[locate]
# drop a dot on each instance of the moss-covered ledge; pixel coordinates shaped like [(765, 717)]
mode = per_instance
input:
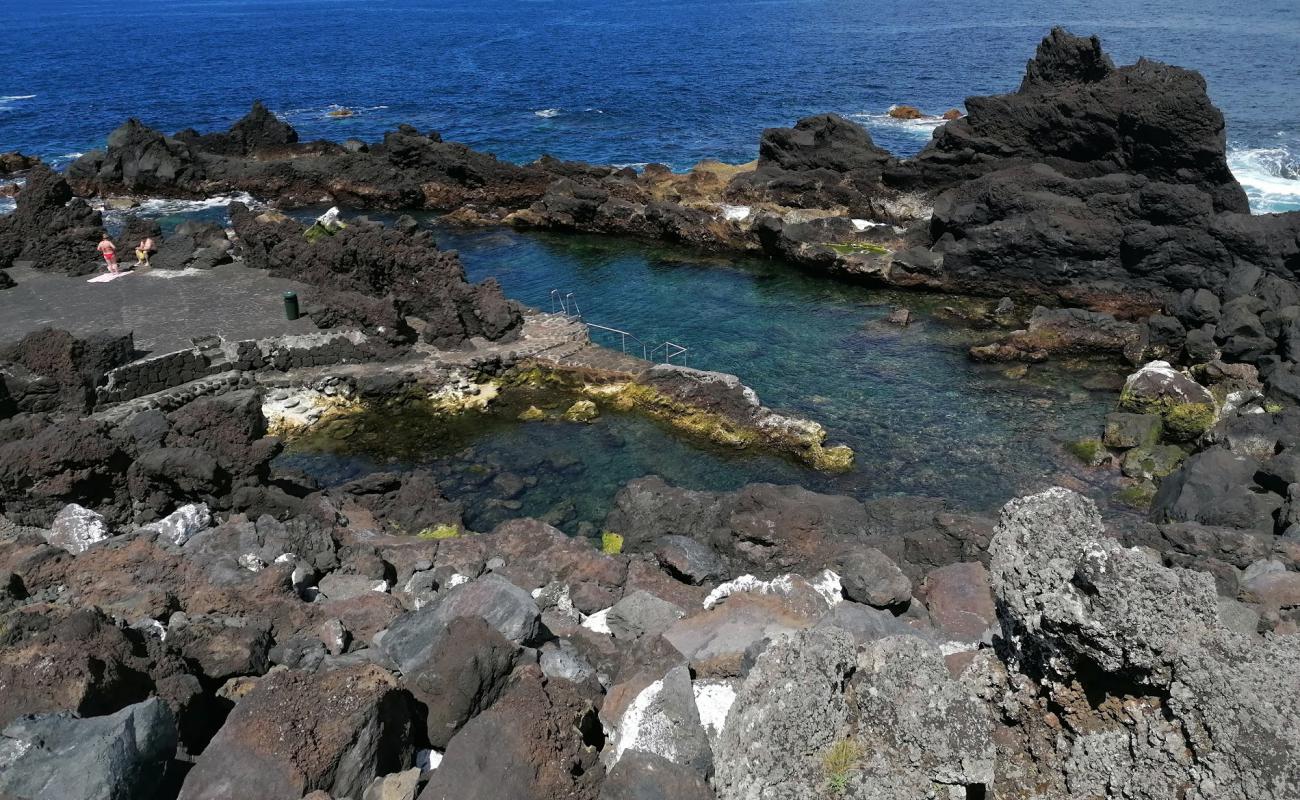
[(710, 405)]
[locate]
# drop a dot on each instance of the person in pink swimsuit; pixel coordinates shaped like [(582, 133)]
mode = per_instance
[(109, 252)]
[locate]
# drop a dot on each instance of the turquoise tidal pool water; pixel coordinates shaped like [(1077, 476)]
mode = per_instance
[(921, 417)]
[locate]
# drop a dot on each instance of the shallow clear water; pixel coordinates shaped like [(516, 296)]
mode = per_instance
[(616, 81), (921, 417)]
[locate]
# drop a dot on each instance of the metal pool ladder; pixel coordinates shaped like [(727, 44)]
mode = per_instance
[(567, 304)]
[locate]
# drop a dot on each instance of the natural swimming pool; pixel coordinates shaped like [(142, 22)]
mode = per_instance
[(922, 418)]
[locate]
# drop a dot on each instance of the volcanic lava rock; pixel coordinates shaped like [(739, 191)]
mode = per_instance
[(1148, 118), (538, 742), (1089, 613), (62, 660), (380, 262), (462, 678), (50, 228), (295, 733)]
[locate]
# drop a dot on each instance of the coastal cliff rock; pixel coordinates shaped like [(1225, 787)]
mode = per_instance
[(1101, 186), (1083, 117), (50, 227)]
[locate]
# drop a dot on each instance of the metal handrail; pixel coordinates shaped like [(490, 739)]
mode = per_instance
[(625, 336), (671, 351), (567, 304)]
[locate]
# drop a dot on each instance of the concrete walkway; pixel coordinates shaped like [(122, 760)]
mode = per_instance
[(164, 308)]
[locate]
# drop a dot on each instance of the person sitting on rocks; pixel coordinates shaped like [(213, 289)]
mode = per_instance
[(108, 250), (143, 250)]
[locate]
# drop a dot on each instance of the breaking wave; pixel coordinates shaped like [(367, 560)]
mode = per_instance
[(1270, 176), (547, 113)]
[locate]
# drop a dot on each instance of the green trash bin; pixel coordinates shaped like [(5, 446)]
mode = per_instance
[(291, 305)]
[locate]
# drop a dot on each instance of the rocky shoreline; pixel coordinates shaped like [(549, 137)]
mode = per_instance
[(180, 619)]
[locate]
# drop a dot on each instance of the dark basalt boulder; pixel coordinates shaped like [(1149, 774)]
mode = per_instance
[(140, 160), (462, 678), (60, 463), (538, 742), (75, 365), (451, 175), (403, 503), (380, 262), (821, 162), (197, 245), (50, 228), (825, 142)]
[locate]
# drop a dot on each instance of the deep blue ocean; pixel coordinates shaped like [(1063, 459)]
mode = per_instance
[(612, 81)]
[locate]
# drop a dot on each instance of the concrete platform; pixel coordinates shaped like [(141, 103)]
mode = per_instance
[(164, 308)]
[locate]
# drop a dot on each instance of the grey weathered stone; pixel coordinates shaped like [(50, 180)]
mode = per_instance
[(395, 786), (869, 576), (338, 586), (120, 755), (789, 711), (641, 614), (503, 605), (688, 560), (1079, 608), (560, 659), (412, 638)]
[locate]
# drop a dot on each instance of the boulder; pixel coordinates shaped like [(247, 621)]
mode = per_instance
[(61, 660), (641, 614), (871, 577), (178, 526), (119, 755), (646, 776), (960, 601), (461, 678), (295, 733), (50, 227), (537, 742), (1081, 610), (503, 605), (662, 719), (688, 560), (787, 715), (1214, 487), (76, 529)]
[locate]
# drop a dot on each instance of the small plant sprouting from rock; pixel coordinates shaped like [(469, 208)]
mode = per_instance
[(839, 764), (440, 532), (611, 544)]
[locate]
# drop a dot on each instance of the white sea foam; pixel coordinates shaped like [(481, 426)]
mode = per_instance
[(920, 127), (547, 113), (163, 207), (1270, 176), (7, 101), (7, 205)]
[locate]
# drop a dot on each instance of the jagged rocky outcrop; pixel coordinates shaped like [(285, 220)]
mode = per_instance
[(261, 154), (50, 227), (373, 276)]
